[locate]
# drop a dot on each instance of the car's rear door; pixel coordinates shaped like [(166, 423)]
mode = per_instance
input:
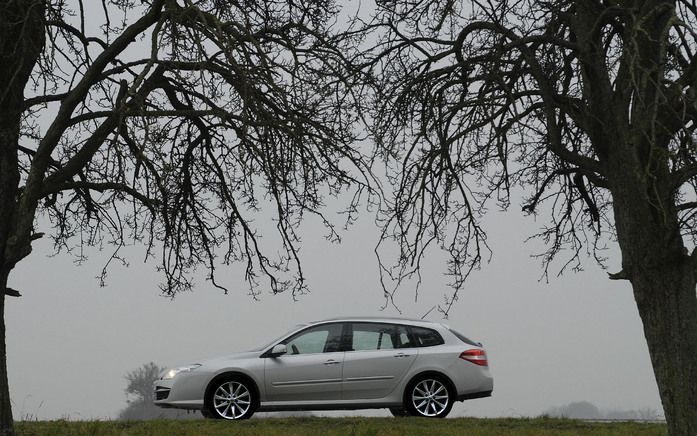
[(378, 358)]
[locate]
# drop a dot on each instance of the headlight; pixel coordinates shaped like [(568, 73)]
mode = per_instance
[(171, 373)]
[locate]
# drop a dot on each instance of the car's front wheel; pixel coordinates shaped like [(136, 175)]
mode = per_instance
[(429, 397), (232, 399)]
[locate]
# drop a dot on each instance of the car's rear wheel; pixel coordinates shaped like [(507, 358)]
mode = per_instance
[(429, 397), (399, 412), (232, 399)]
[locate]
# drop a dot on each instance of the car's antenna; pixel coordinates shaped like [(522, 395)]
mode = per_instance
[(426, 314)]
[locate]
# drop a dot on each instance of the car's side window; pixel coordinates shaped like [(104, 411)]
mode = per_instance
[(404, 341), (426, 337), (378, 336), (321, 339)]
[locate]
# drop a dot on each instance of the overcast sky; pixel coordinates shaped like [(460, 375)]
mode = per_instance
[(577, 338), (70, 342)]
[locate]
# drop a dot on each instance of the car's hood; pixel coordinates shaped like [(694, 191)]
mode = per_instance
[(230, 357)]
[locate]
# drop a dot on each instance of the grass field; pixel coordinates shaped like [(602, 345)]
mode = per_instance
[(340, 426)]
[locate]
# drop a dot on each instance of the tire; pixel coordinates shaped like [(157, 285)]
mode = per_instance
[(429, 397), (399, 412), (207, 414), (231, 399)]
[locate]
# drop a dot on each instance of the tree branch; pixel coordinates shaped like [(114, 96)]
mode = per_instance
[(101, 187)]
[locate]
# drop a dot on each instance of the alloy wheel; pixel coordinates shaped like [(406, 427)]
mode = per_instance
[(232, 400), (430, 397)]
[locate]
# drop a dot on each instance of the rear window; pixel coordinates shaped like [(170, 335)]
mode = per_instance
[(426, 337), (464, 338)]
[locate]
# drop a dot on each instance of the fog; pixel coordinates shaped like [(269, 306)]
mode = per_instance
[(576, 338)]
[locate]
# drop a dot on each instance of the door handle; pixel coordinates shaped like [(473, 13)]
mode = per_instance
[(401, 355), (331, 362)]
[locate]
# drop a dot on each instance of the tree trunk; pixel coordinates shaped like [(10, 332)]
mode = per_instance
[(667, 305), (6, 425), (664, 279), (21, 43), (9, 180)]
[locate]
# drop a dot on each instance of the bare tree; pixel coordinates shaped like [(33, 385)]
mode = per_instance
[(140, 397), (140, 382), (589, 107), (169, 123)]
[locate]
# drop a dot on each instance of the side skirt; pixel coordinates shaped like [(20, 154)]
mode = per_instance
[(302, 407)]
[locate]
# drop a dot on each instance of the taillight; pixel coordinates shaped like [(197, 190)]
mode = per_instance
[(476, 356)]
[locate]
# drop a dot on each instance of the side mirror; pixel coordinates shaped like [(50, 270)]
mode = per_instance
[(278, 350)]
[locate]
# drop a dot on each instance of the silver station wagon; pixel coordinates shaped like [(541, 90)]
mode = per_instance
[(411, 367)]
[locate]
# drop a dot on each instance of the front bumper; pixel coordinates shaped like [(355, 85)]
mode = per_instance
[(185, 391)]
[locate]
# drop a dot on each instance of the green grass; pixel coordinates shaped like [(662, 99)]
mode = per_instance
[(340, 426)]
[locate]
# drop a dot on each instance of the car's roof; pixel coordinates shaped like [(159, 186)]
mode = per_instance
[(379, 319)]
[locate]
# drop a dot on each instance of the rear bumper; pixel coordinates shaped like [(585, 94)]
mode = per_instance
[(474, 395)]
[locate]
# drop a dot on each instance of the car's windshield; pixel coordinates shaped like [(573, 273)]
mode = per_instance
[(278, 338)]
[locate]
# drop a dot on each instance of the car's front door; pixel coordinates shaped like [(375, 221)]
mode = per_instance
[(310, 370), (378, 358)]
